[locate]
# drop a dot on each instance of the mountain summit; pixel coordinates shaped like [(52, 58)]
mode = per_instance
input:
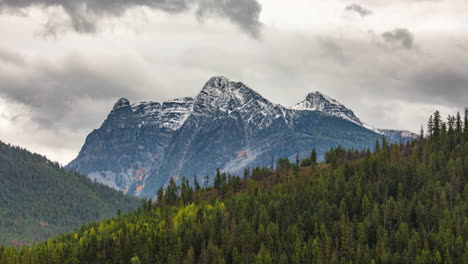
[(140, 146), (327, 105)]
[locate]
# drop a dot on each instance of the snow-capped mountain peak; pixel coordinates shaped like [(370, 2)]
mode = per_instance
[(219, 93), (319, 102)]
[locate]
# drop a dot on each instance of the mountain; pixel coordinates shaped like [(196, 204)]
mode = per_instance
[(329, 106), (403, 203), (139, 147), (39, 199)]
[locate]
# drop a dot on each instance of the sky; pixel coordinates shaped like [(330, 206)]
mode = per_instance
[(64, 63)]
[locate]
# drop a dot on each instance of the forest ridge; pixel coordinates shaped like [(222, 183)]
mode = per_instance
[(401, 203)]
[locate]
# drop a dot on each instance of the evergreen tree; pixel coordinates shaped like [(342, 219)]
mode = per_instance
[(437, 123), (172, 192), (430, 126), (196, 184), (313, 157)]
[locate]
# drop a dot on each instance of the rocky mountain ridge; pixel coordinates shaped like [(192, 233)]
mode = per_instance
[(139, 147)]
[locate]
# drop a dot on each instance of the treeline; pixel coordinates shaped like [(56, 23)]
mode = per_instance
[(399, 203), (40, 199)]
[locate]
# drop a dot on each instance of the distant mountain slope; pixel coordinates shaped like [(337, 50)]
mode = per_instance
[(39, 199), (139, 147)]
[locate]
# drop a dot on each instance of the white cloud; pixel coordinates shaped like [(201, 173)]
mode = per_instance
[(55, 90)]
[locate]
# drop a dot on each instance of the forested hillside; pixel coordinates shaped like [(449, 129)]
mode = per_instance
[(403, 203), (40, 199)]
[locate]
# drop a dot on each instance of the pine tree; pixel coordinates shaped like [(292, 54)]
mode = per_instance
[(186, 192), (160, 196), (196, 184), (313, 157), (430, 126), (172, 192), (465, 132), (437, 124), (297, 159), (207, 181), (459, 124), (218, 181), (377, 147)]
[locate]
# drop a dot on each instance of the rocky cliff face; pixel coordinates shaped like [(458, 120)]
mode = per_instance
[(139, 147)]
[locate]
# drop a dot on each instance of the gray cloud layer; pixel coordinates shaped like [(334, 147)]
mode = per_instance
[(85, 14), (400, 37), (362, 11), (53, 92)]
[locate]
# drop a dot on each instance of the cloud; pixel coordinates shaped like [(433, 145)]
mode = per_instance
[(9, 57), (85, 14), (362, 11), (333, 50), (65, 87), (52, 90), (400, 37), (433, 79)]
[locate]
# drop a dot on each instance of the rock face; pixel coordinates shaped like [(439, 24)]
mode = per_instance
[(139, 147)]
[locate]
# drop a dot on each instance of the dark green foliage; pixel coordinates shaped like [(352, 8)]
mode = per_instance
[(310, 161), (39, 199), (404, 203)]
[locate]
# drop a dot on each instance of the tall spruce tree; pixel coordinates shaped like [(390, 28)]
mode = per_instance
[(313, 157)]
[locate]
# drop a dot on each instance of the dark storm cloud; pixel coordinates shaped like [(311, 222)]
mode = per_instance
[(441, 84), (400, 37), (246, 13), (362, 11), (85, 14), (52, 92)]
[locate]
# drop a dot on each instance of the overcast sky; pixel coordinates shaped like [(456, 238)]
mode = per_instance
[(63, 63)]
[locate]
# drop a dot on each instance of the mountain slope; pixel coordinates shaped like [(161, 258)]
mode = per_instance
[(139, 147), (404, 203), (39, 199)]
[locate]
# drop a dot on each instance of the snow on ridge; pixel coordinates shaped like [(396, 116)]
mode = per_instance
[(221, 94), (376, 130), (319, 102), (170, 114)]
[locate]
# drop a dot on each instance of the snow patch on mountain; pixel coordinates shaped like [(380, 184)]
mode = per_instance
[(327, 105), (376, 130), (319, 102), (170, 114)]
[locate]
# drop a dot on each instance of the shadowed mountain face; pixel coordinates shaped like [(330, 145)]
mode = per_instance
[(139, 147)]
